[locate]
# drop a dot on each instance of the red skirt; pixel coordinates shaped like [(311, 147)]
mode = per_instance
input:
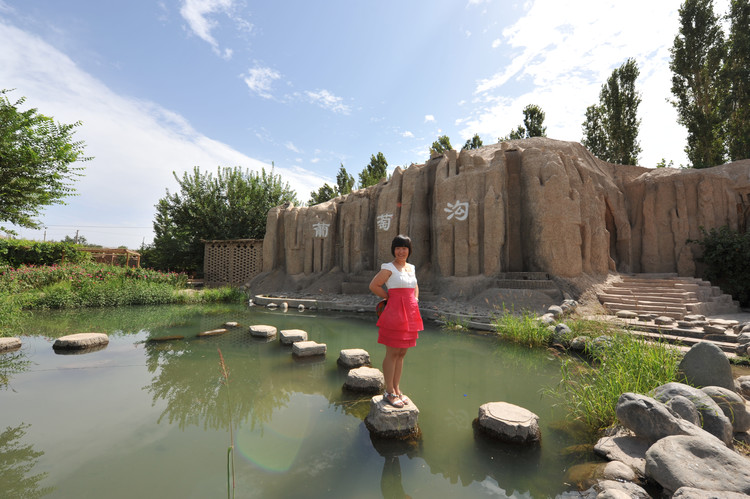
[(401, 321)]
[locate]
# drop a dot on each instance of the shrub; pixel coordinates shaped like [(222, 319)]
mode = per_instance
[(17, 252), (725, 253)]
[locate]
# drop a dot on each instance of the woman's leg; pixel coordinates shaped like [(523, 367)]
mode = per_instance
[(398, 367)]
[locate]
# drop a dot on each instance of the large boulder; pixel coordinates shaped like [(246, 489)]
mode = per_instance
[(713, 418), (705, 364), (9, 344), (693, 461), (81, 341), (742, 386), (650, 419), (693, 493), (733, 406), (509, 423), (627, 449)]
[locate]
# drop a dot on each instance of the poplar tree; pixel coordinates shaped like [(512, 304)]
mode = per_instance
[(473, 143), (737, 76), (611, 127), (440, 146), (533, 125), (374, 172), (696, 62)]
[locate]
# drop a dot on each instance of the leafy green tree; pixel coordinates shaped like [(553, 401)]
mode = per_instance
[(374, 172), (474, 143), (736, 73), (440, 146), (696, 61), (611, 127), (344, 181), (36, 158), (233, 204), (323, 194), (533, 125)]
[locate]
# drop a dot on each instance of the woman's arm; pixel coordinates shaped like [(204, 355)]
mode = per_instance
[(416, 292), (377, 283)]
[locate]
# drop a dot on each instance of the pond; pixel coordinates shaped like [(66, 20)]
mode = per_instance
[(153, 419)]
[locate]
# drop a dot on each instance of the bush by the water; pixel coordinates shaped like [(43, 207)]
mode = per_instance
[(93, 285), (726, 255), (17, 252)]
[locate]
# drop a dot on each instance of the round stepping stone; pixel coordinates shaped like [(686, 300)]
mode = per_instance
[(80, 341), (262, 331), (686, 324), (231, 324), (663, 320), (308, 349), (509, 423), (354, 357), (284, 306), (365, 380), (387, 421), (291, 336), (213, 332), (301, 307), (646, 317), (695, 317), (9, 344)]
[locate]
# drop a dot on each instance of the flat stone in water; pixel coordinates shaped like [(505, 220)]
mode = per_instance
[(509, 422), (308, 348), (290, 336), (9, 344), (213, 332), (389, 422), (365, 380), (166, 338), (354, 357), (262, 331), (80, 341)]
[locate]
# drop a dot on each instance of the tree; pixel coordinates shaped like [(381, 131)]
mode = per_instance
[(233, 204), (611, 127), (533, 120), (474, 143), (374, 171), (696, 60), (344, 181), (323, 194), (736, 73), (36, 158), (440, 146)]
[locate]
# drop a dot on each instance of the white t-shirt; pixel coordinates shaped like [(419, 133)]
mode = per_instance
[(400, 279)]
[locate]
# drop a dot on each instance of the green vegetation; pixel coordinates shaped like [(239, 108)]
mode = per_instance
[(473, 143), (533, 125), (93, 285), (440, 146), (36, 157), (725, 253), (523, 329), (374, 172), (17, 252)]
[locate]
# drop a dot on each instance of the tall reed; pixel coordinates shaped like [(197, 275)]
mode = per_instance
[(523, 329), (230, 450)]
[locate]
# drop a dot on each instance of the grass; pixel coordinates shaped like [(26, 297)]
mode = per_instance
[(523, 329), (94, 285)]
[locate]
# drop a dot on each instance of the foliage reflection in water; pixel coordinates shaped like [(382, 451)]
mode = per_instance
[(296, 433)]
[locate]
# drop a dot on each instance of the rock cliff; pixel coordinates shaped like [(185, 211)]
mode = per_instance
[(534, 205)]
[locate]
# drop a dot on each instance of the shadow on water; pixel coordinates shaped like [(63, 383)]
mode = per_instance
[(16, 462)]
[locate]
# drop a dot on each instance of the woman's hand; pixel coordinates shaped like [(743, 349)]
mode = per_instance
[(377, 283)]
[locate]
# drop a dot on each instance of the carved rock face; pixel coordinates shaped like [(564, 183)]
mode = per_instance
[(534, 205)]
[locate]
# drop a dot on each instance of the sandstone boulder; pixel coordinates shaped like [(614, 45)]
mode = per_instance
[(693, 461), (685, 408), (627, 449), (732, 404), (706, 365), (509, 423), (743, 386), (693, 493), (9, 344)]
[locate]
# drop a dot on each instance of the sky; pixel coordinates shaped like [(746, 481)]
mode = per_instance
[(163, 86)]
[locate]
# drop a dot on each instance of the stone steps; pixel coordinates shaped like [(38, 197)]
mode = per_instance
[(666, 294)]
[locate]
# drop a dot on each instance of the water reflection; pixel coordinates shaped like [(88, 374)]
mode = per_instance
[(391, 483), (12, 363), (16, 462)]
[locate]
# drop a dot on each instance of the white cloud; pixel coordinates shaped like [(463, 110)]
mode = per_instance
[(327, 100), (407, 134), (563, 70), (259, 80), (289, 145), (428, 118), (136, 144), (198, 14), (496, 43)]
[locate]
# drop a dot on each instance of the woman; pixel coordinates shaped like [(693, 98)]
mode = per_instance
[(400, 322)]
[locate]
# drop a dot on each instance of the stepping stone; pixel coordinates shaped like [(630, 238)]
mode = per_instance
[(308, 349), (509, 423), (80, 341), (165, 338), (213, 332), (354, 357), (695, 317), (663, 320), (387, 421), (262, 331), (231, 324), (626, 314), (290, 336), (9, 344), (714, 329), (365, 380), (646, 317)]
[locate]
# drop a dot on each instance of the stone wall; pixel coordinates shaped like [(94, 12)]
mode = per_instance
[(534, 205)]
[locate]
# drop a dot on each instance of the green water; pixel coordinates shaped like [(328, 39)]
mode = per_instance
[(143, 419)]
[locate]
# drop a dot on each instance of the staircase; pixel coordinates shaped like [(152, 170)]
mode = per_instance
[(666, 294)]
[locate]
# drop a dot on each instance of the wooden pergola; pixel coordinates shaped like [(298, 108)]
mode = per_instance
[(112, 256)]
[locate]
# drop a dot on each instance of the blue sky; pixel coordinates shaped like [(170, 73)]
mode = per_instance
[(164, 86)]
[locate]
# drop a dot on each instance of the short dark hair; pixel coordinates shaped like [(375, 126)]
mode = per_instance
[(400, 241)]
